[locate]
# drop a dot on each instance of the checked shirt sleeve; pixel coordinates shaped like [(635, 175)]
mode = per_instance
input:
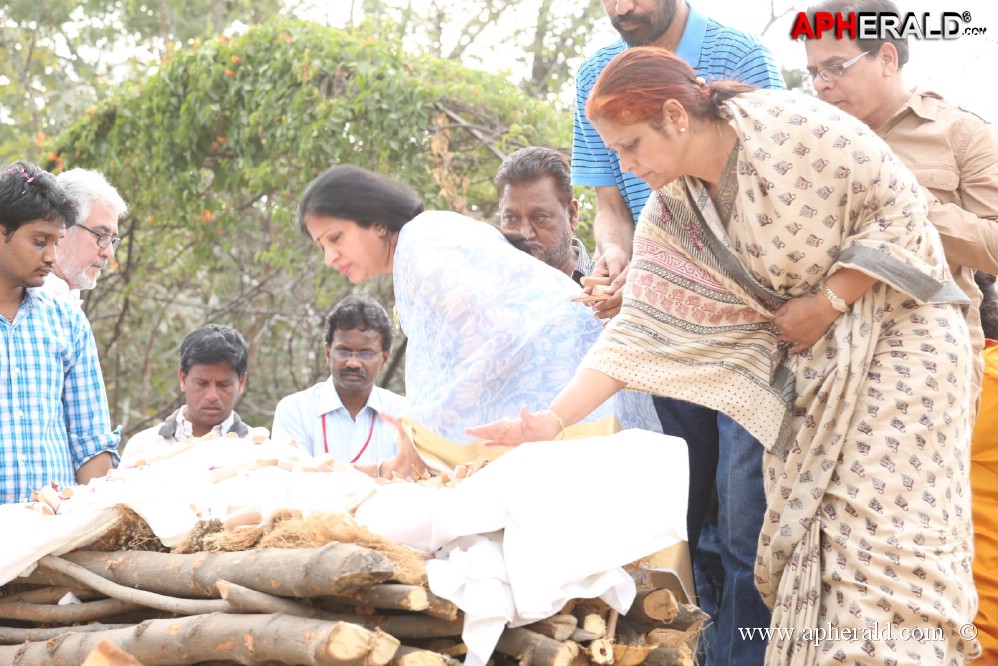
[(88, 421)]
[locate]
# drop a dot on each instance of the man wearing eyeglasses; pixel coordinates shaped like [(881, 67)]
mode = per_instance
[(89, 245), (340, 416), (213, 362), (952, 152)]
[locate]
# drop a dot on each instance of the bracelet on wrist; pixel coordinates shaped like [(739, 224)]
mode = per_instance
[(377, 469), (561, 424)]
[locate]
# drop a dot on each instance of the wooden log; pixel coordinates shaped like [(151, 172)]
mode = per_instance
[(558, 627), (582, 636), (681, 656), (442, 608), (412, 625), (660, 637), (50, 595), (109, 654), (245, 639), (47, 578), (400, 626), (66, 614), (134, 596), (410, 656), (628, 633), (629, 655), (336, 568), (17, 635), (689, 616), (589, 621), (600, 651), (653, 606), (533, 649), (244, 600), (389, 596)]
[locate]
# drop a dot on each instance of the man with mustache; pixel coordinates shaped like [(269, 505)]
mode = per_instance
[(721, 452), (341, 415), (90, 244), (54, 421), (212, 376), (536, 200)]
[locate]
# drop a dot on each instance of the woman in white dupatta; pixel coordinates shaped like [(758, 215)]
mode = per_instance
[(489, 327), (785, 273)]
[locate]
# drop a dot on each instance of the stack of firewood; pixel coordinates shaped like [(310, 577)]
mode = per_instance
[(337, 603)]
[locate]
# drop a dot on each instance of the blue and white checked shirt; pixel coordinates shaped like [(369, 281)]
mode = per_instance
[(53, 406)]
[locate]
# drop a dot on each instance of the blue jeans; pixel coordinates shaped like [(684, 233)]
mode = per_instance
[(725, 455)]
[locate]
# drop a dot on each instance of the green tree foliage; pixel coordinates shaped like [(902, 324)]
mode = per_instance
[(212, 152), (57, 57)]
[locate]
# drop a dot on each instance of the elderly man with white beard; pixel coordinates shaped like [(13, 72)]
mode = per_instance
[(89, 245)]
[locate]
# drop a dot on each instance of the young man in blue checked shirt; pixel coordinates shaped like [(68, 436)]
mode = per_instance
[(54, 421)]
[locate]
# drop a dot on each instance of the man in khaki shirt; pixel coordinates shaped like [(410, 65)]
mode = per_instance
[(952, 152)]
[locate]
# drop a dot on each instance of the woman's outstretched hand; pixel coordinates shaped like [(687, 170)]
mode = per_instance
[(530, 427)]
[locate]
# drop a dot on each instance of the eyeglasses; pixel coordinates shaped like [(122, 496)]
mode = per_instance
[(365, 356), (832, 72), (104, 239)]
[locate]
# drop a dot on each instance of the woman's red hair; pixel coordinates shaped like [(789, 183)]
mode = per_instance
[(635, 85)]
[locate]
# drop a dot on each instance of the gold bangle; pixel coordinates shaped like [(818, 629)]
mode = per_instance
[(561, 424)]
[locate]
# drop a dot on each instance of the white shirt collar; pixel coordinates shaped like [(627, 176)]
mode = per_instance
[(185, 429), (329, 400)]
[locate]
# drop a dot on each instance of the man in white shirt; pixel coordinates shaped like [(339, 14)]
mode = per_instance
[(212, 374), (340, 416), (89, 245)]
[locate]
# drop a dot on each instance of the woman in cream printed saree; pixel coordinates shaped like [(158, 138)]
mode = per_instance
[(785, 273)]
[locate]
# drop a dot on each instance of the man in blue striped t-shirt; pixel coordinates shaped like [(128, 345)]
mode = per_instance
[(721, 451)]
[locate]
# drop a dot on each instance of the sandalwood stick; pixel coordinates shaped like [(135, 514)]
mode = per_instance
[(654, 606), (17, 635), (67, 614), (50, 595), (400, 626), (681, 656), (245, 639), (141, 597), (410, 656), (559, 627), (442, 608), (109, 654), (533, 649), (388, 596), (246, 600), (336, 568)]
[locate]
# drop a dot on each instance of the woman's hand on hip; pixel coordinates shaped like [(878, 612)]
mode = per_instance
[(802, 321)]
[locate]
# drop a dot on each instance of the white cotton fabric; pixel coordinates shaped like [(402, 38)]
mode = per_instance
[(543, 524)]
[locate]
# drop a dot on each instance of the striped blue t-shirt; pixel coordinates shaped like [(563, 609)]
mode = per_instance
[(715, 51)]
